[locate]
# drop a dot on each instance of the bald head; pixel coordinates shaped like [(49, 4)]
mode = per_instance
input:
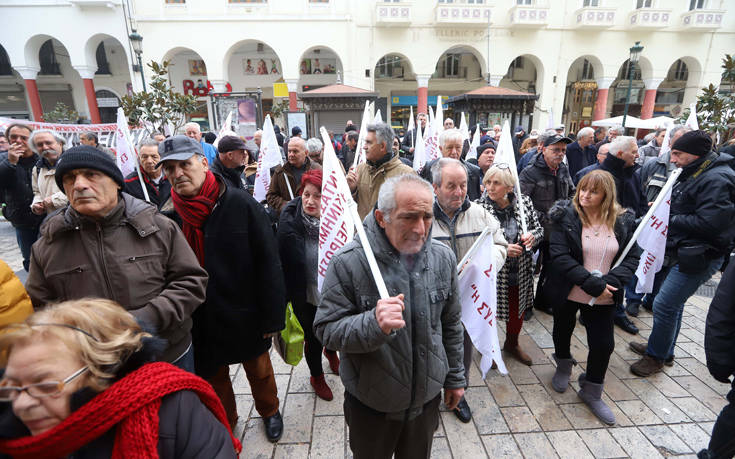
[(296, 151)]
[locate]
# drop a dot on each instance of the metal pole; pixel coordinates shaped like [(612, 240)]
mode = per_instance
[(142, 74), (630, 87)]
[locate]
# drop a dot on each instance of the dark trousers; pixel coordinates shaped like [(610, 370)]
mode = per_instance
[(26, 237), (544, 258), (262, 384), (312, 347), (722, 442), (598, 320), (374, 436), (186, 360)]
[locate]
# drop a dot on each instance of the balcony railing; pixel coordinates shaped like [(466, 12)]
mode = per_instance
[(702, 20), (393, 14), (649, 18), (462, 15), (529, 16), (594, 16)]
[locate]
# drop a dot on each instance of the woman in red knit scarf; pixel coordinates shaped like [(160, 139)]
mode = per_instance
[(76, 381)]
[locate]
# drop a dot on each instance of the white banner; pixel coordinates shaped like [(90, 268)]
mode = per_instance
[(360, 153), (419, 152), (270, 156), (692, 119), (336, 226), (653, 242), (478, 294), (472, 153), (463, 128), (126, 156)]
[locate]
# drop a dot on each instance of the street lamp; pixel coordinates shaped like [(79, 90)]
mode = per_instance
[(635, 54), (137, 41)]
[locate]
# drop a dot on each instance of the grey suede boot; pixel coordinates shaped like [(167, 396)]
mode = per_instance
[(591, 394), (560, 380)]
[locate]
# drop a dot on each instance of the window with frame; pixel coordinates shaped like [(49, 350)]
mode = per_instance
[(679, 71), (640, 4), (451, 65), (697, 5), (588, 72), (389, 67), (623, 75), (588, 3), (47, 58), (103, 66)]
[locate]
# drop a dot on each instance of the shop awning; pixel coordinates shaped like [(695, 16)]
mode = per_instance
[(338, 91)]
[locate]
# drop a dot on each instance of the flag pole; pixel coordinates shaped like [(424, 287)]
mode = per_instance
[(352, 206), (126, 133), (644, 222)]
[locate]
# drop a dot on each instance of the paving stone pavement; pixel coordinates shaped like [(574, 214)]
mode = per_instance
[(519, 415)]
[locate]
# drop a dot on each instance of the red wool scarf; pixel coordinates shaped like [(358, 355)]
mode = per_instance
[(133, 403), (195, 211)]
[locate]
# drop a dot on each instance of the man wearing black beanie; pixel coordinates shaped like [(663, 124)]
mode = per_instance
[(108, 244), (700, 236)]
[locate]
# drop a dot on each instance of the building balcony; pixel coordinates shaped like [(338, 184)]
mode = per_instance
[(529, 16), (702, 20), (594, 17), (462, 15), (649, 18), (392, 14)]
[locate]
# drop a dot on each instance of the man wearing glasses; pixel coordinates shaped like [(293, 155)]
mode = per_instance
[(545, 181)]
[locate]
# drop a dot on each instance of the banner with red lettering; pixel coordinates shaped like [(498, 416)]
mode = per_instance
[(653, 242), (478, 294), (125, 154), (336, 225), (270, 156)]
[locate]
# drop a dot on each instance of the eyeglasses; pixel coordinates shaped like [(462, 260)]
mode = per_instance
[(38, 390), (502, 165)]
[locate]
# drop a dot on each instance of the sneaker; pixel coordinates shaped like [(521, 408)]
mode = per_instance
[(646, 366), (640, 349), (633, 308), (333, 360), (321, 388), (625, 323)]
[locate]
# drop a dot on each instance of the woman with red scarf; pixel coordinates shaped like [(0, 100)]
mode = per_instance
[(77, 382)]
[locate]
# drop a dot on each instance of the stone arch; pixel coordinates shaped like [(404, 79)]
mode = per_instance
[(405, 61), (260, 50), (90, 48), (463, 48), (309, 62), (523, 74)]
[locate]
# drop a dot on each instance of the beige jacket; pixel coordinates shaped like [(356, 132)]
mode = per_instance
[(44, 186), (370, 179)]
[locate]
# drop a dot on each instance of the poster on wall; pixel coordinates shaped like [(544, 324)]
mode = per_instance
[(294, 119), (260, 66), (246, 119), (317, 66), (197, 67)]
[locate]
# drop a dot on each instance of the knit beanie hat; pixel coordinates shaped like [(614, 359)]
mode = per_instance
[(697, 143), (86, 157)]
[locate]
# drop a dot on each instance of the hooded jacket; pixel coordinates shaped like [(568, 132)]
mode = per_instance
[(567, 261), (400, 372), (371, 178), (134, 256)]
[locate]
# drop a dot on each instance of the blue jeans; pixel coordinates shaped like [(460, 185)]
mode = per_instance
[(630, 294), (26, 237), (669, 305), (186, 361)]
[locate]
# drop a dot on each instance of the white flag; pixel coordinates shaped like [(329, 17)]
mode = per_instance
[(225, 129), (336, 226), (378, 117), (478, 295), (360, 153), (419, 153), (505, 153), (439, 118), (665, 147), (431, 137), (270, 156), (472, 152), (653, 242), (463, 128), (411, 122), (126, 157), (692, 120), (550, 123)]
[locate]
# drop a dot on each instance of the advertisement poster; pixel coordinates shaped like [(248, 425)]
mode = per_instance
[(317, 66), (297, 119), (260, 66), (197, 67), (246, 119)]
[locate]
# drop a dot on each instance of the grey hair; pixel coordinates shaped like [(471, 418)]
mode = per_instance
[(449, 134), (193, 124), (438, 167), (148, 142), (383, 133), (314, 145), (585, 131), (620, 143), (91, 135), (387, 193), (617, 129), (676, 129), (32, 138), (545, 135)]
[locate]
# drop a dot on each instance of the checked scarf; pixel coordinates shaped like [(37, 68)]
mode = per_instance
[(195, 211)]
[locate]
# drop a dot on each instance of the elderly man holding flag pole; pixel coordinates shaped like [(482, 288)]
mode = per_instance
[(400, 340)]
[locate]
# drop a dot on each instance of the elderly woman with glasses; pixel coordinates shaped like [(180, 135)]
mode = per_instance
[(76, 382), (515, 280)]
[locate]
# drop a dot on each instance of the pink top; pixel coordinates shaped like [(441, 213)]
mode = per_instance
[(598, 252)]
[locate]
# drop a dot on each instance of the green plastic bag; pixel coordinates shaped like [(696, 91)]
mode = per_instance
[(290, 342)]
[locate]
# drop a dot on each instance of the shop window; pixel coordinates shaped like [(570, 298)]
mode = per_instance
[(588, 3), (679, 71), (697, 5), (588, 72), (451, 65), (5, 68), (644, 4), (623, 74), (103, 67), (47, 58), (668, 96)]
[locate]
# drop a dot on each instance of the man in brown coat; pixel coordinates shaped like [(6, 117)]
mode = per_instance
[(298, 163), (107, 244)]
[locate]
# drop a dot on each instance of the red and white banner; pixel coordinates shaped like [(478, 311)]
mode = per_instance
[(653, 242), (431, 136), (478, 294), (336, 225), (125, 153), (270, 156)]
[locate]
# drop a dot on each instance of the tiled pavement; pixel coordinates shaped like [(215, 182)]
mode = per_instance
[(668, 414), (520, 415)]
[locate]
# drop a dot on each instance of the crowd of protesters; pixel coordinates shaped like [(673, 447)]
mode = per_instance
[(132, 299)]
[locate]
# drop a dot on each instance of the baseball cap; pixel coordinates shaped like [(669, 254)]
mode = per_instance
[(231, 143), (179, 148), (551, 140), (559, 127)]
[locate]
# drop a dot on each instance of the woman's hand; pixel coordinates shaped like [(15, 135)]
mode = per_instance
[(528, 240), (514, 250), (607, 294)]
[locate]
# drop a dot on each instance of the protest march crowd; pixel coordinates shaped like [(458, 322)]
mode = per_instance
[(394, 257)]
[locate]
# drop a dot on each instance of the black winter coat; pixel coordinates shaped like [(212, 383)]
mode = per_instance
[(474, 178), (628, 186), (567, 266), (17, 191), (579, 158), (233, 177), (291, 248), (703, 207), (719, 334), (158, 194), (245, 293), (544, 188)]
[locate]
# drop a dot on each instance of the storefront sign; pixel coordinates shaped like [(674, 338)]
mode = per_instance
[(414, 100)]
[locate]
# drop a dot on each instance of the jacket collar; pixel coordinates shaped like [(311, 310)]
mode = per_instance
[(616, 166), (387, 157), (439, 213)]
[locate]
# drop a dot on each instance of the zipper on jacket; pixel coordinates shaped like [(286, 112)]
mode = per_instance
[(110, 291)]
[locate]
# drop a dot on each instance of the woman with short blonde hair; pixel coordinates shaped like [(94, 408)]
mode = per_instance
[(77, 380)]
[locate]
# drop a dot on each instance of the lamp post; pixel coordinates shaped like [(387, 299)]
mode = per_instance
[(137, 41), (635, 54)]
